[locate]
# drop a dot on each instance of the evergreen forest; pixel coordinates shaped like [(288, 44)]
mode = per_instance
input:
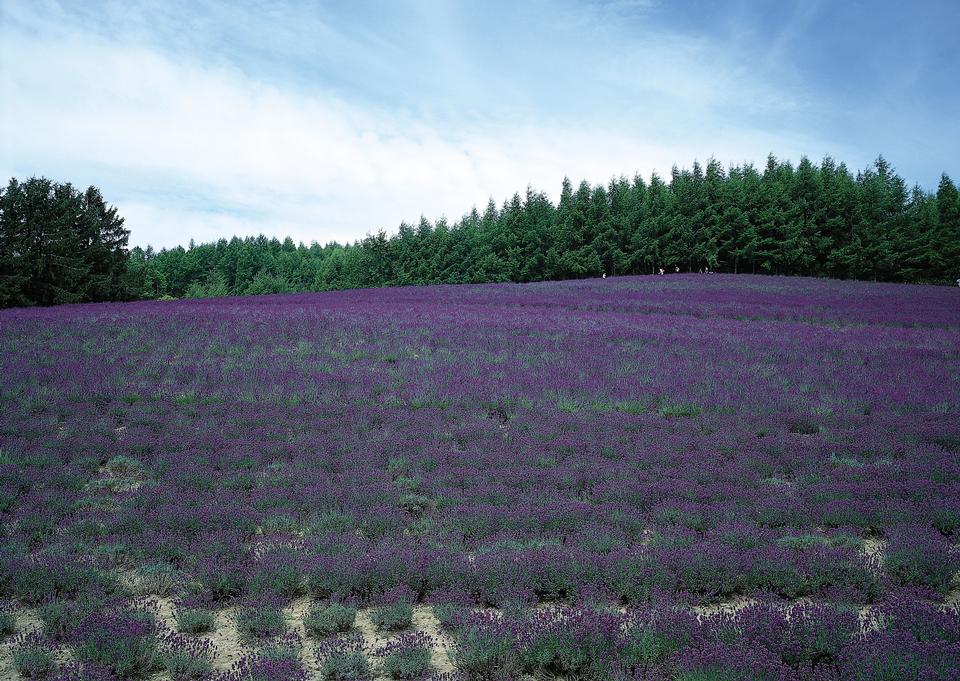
[(60, 245)]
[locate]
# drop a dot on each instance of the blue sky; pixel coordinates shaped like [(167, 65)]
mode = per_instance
[(326, 121)]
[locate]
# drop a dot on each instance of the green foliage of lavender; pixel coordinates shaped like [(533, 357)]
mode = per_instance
[(195, 621), (407, 657), (259, 620), (393, 616), (32, 657), (344, 659), (324, 620)]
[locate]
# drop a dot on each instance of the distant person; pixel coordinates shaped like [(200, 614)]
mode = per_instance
[(677, 269), (661, 272), (604, 276)]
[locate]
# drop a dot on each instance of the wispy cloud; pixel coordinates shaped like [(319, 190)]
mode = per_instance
[(204, 123)]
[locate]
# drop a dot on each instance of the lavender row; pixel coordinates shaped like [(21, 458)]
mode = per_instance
[(901, 639)]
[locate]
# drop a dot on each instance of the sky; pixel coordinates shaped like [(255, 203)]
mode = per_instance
[(329, 121)]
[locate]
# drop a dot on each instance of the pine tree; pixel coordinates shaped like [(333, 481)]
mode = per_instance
[(13, 262), (948, 231), (103, 241)]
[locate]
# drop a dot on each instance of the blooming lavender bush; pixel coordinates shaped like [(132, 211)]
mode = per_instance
[(912, 612), (126, 643), (257, 667), (898, 656), (724, 662), (919, 556), (186, 658), (581, 643), (344, 659), (258, 619), (61, 619), (32, 656), (805, 637), (485, 647), (407, 657), (650, 637), (396, 612)]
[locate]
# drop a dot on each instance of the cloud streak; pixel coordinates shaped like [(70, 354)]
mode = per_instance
[(202, 137)]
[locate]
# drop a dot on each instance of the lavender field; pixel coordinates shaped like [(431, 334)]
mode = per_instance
[(685, 477)]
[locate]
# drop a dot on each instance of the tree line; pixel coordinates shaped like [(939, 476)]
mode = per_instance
[(809, 219)]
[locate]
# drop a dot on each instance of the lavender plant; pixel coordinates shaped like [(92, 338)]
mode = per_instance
[(407, 657), (195, 621), (32, 656), (324, 620), (396, 612), (126, 643), (344, 659), (186, 658), (258, 619), (919, 556), (8, 624)]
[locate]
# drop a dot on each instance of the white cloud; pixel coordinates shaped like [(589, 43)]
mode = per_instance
[(188, 149)]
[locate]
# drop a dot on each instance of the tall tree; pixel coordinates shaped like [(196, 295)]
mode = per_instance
[(948, 233), (60, 245)]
